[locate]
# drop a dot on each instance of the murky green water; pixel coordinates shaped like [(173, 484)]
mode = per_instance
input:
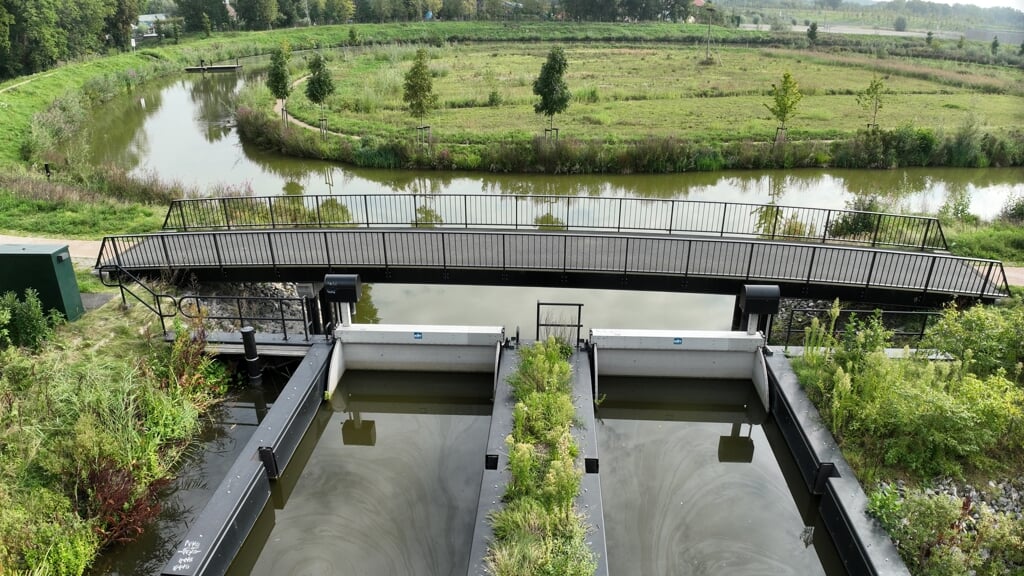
[(399, 500), (691, 484)]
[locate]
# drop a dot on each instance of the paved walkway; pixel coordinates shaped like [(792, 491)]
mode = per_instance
[(86, 252), (82, 251)]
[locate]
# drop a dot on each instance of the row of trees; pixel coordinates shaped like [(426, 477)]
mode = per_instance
[(36, 34)]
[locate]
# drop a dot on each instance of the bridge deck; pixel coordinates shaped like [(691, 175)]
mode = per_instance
[(572, 259)]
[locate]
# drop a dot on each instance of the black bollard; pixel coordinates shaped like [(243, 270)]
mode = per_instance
[(252, 357)]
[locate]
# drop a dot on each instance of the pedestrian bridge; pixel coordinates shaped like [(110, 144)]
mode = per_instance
[(890, 259)]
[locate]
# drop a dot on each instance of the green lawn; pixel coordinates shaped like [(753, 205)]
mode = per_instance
[(629, 92)]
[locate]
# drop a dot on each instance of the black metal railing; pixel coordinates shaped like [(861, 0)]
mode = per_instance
[(673, 256), (256, 311), (907, 326), (764, 221), (247, 310), (555, 326), (163, 305)]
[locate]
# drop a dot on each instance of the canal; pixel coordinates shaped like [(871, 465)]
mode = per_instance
[(406, 504)]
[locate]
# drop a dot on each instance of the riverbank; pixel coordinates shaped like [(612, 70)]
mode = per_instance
[(25, 137), (95, 419)]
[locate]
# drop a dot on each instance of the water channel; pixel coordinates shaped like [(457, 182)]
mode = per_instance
[(406, 505)]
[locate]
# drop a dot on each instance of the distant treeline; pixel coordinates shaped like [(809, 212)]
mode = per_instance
[(38, 34)]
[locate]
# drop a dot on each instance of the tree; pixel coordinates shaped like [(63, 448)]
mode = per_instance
[(121, 21), (929, 38), (551, 87), (320, 86), (812, 33), (207, 26), (960, 43), (192, 11), (277, 78), (871, 98), (338, 11), (785, 97), (419, 88), (995, 45), (257, 14), (1021, 51), (900, 24)]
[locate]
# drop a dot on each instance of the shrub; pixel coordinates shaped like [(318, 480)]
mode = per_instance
[(1013, 210), (912, 416), (939, 534), (986, 340), (23, 322)]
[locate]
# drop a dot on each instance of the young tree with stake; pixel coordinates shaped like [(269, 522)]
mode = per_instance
[(551, 87), (419, 88), (277, 79), (785, 97), (320, 86)]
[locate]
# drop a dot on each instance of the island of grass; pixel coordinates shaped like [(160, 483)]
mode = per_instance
[(538, 531), (639, 107)]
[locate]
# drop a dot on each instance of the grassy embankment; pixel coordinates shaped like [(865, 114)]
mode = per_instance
[(906, 425), (539, 530), (35, 132), (95, 415), (653, 108)]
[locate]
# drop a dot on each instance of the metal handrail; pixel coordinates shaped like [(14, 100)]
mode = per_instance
[(241, 317), (109, 271), (916, 335), (667, 216), (564, 252), (577, 326)]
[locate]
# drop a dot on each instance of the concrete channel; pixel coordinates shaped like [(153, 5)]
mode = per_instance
[(828, 483)]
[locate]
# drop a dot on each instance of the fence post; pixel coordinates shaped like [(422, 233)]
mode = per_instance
[(270, 206), (878, 224), (828, 221), (224, 208), (366, 209), (927, 230), (618, 227), (671, 214)]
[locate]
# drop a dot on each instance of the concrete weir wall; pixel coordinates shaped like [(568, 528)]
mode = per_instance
[(223, 525), (682, 354), (861, 543), (413, 347)]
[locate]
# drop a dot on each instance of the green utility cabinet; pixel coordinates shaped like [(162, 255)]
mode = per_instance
[(47, 268)]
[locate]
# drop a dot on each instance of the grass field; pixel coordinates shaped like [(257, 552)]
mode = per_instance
[(630, 92)]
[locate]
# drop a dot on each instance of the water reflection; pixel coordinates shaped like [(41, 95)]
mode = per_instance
[(401, 500), (206, 153), (691, 484)]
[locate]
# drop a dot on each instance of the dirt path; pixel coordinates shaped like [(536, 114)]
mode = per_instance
[(279, 106), (13, 86)]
